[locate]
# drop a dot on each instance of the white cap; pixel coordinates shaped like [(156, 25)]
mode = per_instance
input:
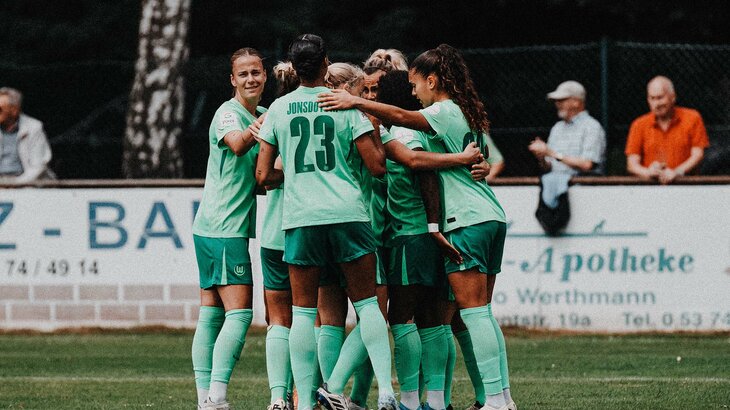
[(568, 89)]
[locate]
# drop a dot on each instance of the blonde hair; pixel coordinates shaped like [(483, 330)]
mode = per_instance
[(339, 74), (387, 60), (286, 78)]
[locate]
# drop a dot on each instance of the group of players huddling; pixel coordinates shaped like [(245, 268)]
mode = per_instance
[(376, 193)]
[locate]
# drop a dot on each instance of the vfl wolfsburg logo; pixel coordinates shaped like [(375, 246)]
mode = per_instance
[(239, 269)]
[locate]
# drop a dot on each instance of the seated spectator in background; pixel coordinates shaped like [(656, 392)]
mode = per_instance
[(24, 149), (667, 142), (576, 145)]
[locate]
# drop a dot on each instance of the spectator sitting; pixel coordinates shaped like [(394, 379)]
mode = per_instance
[(577, 144), (667, 142), (24, 149)]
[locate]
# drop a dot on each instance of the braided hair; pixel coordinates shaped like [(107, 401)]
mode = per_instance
[(448, 65)]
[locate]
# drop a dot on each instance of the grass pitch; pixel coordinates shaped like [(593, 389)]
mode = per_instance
[(152, 370)]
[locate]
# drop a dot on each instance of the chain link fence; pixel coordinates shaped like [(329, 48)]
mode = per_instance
[(83, 105)]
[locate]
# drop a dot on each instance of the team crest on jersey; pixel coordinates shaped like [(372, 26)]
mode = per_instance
[(226, 119), (433, 109)]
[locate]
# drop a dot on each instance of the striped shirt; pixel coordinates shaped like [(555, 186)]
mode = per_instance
[(582, 137)]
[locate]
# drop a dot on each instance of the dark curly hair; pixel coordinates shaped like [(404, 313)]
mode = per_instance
[(448, 65), (306, 53), (394, 89)]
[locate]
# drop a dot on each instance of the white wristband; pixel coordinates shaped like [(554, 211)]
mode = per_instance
[(433, 228)]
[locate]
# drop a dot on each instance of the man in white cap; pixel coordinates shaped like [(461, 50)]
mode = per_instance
[(577, 144)]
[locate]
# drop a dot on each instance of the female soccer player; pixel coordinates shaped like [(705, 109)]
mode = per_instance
[(325, 218), (223, 225), (277, 289), (473, 221)]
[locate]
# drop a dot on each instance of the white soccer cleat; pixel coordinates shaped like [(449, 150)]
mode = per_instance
[(387, 403), (279, 404), (475, 406), (511, 405), (332, 401), (208, 405)]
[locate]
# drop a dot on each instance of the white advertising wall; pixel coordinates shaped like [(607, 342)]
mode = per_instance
[(634, 258)]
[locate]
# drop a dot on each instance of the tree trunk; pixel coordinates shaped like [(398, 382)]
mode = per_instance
[(157, 100)]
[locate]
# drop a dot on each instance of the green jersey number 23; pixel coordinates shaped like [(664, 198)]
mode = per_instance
[(323, 128)]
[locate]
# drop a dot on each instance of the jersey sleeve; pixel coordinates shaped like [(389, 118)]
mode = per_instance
[(359, 123), (438, 118), (266, 132), (226, 120), (385, 135), (409, 138)]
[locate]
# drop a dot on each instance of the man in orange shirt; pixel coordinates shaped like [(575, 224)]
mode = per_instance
[(667, 142)]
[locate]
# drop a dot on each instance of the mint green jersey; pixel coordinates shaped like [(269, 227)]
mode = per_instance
[(272, 236), (405, 205), (315, 145), (495, 156), (374, 190), (228, 206), (466, 202)]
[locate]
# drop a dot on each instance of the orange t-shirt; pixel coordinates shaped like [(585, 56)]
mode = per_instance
[(671, 147)]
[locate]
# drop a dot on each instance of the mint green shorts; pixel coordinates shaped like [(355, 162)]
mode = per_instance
[(481, 246), (415, 260), (222, 261), (275, 271), (322, 244)]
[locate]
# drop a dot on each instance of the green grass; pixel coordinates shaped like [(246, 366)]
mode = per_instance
[(152, 370)]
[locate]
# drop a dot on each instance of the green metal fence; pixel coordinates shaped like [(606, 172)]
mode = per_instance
[(83, 105)]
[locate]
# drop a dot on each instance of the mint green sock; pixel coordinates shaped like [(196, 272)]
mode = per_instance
[(209, 325), (450, 363), (486, 348), (407, 355), (303, 353), (329, 344), (229, 344), (435, 354), (352, 355), (467, 350), (362, 379), (374, 333), (503, 367), (278, 366), (317, 379)]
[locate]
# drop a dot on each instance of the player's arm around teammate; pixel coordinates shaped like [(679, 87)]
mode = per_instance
[(223, 225), (454, 115), (324, 218)]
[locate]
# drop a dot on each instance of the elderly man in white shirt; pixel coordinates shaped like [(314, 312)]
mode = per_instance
[(24, 149), (576, 145)]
